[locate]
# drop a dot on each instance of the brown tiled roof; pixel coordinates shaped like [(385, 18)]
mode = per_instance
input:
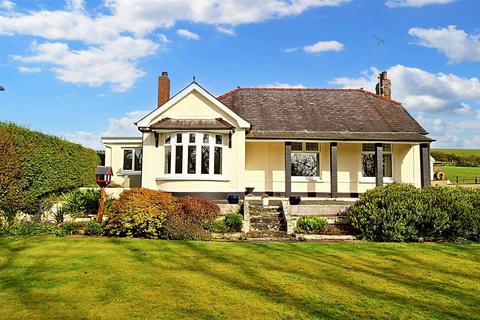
[(169, 123), (336, 114)]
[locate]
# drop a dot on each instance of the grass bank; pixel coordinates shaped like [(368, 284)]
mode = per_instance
[(101, 278), (462, 172)]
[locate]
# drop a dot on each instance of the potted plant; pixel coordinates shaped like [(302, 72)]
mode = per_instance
[(295, 200), (265, 199), (233, 199)]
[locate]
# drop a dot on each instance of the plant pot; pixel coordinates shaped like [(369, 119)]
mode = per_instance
[(233, 199), (295, 200), (249, 190)]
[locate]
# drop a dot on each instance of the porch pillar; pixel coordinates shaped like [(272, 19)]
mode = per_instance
[(333, 170), (425, 164), (379, 164), (288, 168)]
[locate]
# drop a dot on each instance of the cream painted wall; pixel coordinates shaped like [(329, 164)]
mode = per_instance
[(114, 158)]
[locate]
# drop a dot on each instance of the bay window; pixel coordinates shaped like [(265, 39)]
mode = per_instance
[(132, 159), (305, 159), (368, 160), (193, 153)]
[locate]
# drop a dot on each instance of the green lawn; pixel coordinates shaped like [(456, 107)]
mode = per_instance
[(463, 152), (101, 278), (462, 172)]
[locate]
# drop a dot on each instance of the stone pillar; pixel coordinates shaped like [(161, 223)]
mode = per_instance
[(379, 164), (333, 170), (288, 169), (425, 164)]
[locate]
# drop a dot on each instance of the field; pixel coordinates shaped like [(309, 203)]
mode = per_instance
[(102, 278), (462, 172), (465, 152)]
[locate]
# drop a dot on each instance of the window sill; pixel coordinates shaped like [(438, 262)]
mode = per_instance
[(184, 177), (129, 173), (307, 179), (369, 180)]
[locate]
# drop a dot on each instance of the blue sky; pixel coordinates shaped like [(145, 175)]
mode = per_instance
[(85, 69)]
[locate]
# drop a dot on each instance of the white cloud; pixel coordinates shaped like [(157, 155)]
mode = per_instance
[(27, 70), (121, 21), (456, 44), (163, 38), (184, 33), (447, 105), (227, 31), (117, 127), (415, 3), (324, 46), (289, 50), (282, 85)]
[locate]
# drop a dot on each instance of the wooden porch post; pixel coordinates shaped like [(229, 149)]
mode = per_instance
[(379, 164), (333, 170), (425, 164), (288, 168)]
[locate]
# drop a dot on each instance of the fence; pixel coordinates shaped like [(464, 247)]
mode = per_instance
[(474, 180)]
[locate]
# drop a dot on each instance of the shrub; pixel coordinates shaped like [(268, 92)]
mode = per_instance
[(70, 228), (218, 226), (81, 202), (28, 228), (39, 165), (234, 221), (191, 219), (400, 212), (139, 213), (93, 228), (307, 224)]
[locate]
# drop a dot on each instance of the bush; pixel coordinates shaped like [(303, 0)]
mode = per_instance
[(191, 219), (28, 228), (70, 228), (81, 202), (402, 213), (307, 224), (139, 213), (35, 165), (93, 228), (234, 221), (218, 226)]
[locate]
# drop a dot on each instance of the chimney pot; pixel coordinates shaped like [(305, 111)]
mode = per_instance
[(163, 89)]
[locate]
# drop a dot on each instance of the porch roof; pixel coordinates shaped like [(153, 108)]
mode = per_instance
[(193, 124), (340, 136)]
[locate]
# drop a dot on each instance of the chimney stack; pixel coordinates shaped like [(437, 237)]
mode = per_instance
[(384, 86), (163, 89)]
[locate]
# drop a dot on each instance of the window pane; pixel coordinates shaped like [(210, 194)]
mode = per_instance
[(138, 159), (297, 146), (311, 146), (168, 160), (192, 159), (168, 139), (304, 164), (218, 139), (217, 166), (205, 137), (368, 161), (387, 165), (191, 137), (205, 159), (368, 147), (179, 138), (127, 160), (178, 159), (387, 147)]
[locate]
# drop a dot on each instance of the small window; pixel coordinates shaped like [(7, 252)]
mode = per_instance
[(168, 139), (206, 138), (168, 159), (297, 146), (191, 137), (132, 159), (368, 160), (218, 139), (128, 159), (179, 138), (311, 146)]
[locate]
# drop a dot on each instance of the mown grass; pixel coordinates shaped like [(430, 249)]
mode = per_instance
[(463, 152), (462, 172), (101, 278)]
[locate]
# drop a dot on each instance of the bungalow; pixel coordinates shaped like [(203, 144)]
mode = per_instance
[(309, 142)]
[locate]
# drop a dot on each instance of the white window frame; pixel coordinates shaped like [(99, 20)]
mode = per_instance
[(372, 179), (318, 177), (198, 175), (134, 170)]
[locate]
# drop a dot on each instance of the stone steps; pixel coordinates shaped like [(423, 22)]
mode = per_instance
[(268, 235), (266, 219)]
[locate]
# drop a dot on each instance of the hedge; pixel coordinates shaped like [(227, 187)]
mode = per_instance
[(42, 164), (403, 213)]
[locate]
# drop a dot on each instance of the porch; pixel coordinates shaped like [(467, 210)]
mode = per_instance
[(323, 169)]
